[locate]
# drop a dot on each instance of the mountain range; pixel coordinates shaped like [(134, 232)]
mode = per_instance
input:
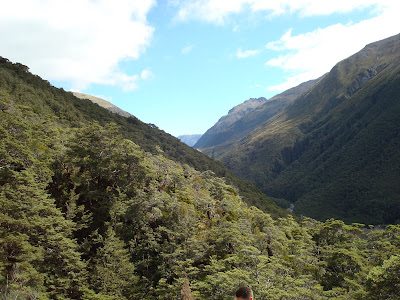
[(239, 121), (332, 149)]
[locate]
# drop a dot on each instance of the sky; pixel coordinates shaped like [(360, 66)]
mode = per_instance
[(183, 64)]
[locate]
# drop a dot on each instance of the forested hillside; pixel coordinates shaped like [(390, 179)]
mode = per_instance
[(73, 112), (333, 152), (86, 213)]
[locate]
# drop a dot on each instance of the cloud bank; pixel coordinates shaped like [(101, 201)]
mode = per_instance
[(218, 11), (310, 55), (76, 41)]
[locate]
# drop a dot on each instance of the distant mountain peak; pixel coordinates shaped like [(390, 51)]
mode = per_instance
[(246, 116), (247, 106)]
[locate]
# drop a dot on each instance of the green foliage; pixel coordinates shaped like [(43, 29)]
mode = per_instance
[(113, 273), (37, 252), (383, 281)]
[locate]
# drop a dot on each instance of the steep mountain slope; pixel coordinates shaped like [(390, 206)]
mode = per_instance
[(334, 150), (236, 125), (103, 103)]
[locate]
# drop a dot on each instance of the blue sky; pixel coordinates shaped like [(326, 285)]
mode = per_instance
[(183, 64)]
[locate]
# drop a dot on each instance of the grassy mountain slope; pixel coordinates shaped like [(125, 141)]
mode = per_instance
[(103, 103), (223, 134), (334, 150)]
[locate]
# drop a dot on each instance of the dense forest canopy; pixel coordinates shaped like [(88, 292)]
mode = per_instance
[(87, 213)]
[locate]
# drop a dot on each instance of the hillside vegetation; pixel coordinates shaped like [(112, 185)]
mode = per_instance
[(333, 151), (70, 111), (86, 213)]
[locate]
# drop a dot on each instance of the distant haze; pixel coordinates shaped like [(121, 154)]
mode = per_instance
[(190, 139)]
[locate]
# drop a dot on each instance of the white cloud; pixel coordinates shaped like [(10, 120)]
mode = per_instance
[(146, 74), (173, 2), (76, 41), (213, 11), (218, 11), (187, 49), (246, 53), (311, 7), (312, 54)]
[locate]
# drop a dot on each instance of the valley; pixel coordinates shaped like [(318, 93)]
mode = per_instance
[(330, 148)]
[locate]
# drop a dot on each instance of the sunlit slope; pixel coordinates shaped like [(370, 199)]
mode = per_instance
[(235, 126), (219, 132), (103, 103)]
